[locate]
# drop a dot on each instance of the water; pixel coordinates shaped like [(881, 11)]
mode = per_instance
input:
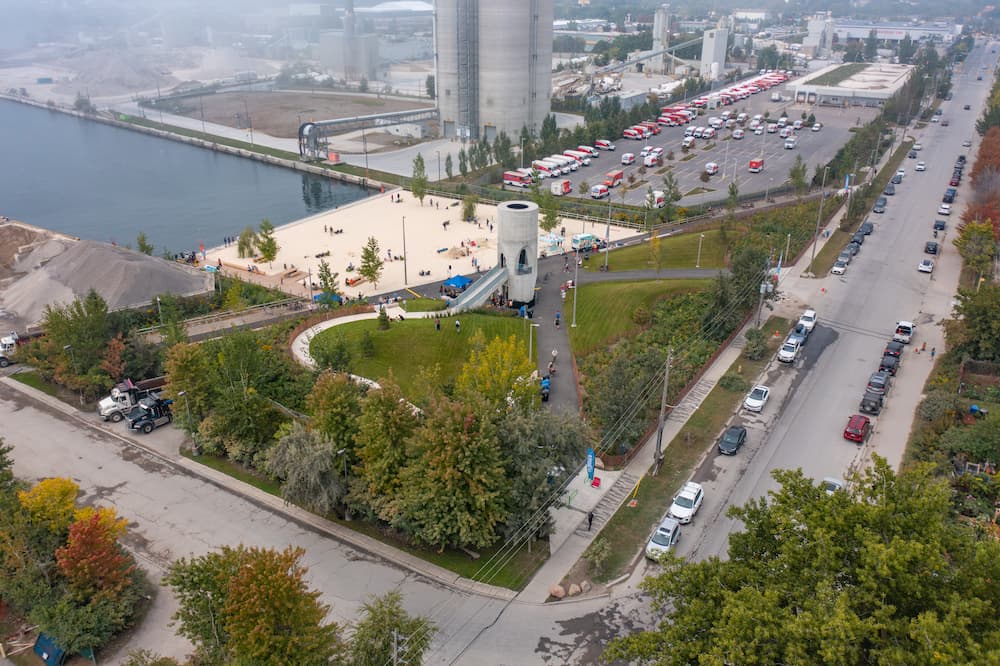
[(103, 183)]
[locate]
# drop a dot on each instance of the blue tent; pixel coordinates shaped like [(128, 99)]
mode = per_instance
[(459, 282), (49, 651), (328, 297)]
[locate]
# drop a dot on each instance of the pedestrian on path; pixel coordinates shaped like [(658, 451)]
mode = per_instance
[(437, 324), (933, 351), (555, 353), (458, 326), (590, 520), (557, 320)]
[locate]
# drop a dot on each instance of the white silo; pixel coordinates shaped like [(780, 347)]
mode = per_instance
[(494, 66), (517, 248)]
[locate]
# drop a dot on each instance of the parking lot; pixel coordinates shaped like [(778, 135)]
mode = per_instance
[(732, 156)]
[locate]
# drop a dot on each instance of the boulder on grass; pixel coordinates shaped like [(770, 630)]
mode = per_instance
[(557, 591), (574, 590)]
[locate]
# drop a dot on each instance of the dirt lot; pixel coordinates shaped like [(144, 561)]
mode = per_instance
[(279, 113)]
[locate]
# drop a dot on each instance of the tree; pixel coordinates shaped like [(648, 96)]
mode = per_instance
[(463, 162), (251, 605), (387, 634), (363, 84), (871, 46), (113, 363), (453, 492), (418, 181), (334, 405), (7, 484), (469, 203), (75, 343), (978, 310), (976, 245), (550, 211), (266, 243), (906, 49), (143, 245), (798, 176), (671, 194), (189, 369), (499, 373), (92, 561), (430, 86), (371, 262), (878, 573), (747, 267), (449, 167), (330, 351), (309, 469), (328, 284), (51, 503), (246, 243), (386, 423), (583, 187), (733, 196), (503, 150)]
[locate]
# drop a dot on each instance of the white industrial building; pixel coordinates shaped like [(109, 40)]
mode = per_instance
[(894, 32), (494, 66), (346, 54), (819, 42), (713, 53), (661, 39)]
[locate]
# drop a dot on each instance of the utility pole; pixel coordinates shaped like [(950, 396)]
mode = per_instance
[(576, 286), (819, 216), (658, 456), (405, 279), (607, 236)]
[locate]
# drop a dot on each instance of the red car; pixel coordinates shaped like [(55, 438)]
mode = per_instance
[(859, 427)]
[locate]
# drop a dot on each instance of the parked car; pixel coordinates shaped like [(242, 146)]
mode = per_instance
[(944, 209), (872, 403), (666, 536), (687, 502), (839, 268), (858, 428), (926, 266), (912, 154), (896, 179), (858, 238), (789, 351), (800, 334), (845, 257), (918, 146), (831, 485), (853, 248), (893, 348), (931, 247), (866, 228), (939, 225), (732, 439), (756, 398), (889, 364), (880, 205), (921, 166), (967, 107), (879, 382), (889, 190), (809, 319)]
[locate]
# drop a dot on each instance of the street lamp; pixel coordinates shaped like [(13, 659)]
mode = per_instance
[(159, 308), (697, 263), (439, 163), (767, 190), (72, 356), (576, 276), (531, 331), (190, 425), (522, 152), (405, 280), (347, 512)]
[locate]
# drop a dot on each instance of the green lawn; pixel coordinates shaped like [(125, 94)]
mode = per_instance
[(35, 381), (629, 528), (425, 305), (679, 251), (604, 311), (411, 346), (842, 73)]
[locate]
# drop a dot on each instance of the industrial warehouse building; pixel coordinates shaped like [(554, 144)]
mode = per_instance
[(871, 86), (494, 66)]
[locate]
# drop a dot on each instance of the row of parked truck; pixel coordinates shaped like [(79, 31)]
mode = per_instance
[(140, 405)]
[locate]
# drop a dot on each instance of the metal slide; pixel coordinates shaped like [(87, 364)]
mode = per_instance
[(480, 290)]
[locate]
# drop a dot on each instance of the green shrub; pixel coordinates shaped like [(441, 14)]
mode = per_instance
[(597, 555), (756, 347), (732, 381)]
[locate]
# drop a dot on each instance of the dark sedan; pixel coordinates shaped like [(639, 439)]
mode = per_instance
[(893, 348), (731, 440)]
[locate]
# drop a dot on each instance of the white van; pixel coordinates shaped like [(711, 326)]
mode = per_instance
[(738, 134), (785, 132), (904, 332), (604, 144), (599, 191), (688, 142), (628, 158)]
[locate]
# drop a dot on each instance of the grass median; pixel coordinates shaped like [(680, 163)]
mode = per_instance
[(678, 251), (630, 527)]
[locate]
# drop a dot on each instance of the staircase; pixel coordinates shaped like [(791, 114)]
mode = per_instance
[(479, 291), (606, 508)]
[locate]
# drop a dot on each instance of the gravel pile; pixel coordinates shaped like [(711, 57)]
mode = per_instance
[(124, 278)]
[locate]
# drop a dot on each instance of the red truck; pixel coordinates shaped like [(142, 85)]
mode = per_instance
[(757, 165)]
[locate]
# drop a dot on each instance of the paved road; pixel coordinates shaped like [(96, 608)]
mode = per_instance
[(857, 315)]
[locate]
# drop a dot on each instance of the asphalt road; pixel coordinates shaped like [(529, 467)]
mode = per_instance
[(802, 425), (731, 155)]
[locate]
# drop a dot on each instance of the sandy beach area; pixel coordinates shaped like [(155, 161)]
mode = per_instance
[(439, 250)]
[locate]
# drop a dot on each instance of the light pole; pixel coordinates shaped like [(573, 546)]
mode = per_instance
[(522, 152), (788, 246), (159, 308), (531, 333), (405, 280), (607, 238), (72, 357), (190, 425), (767, 190), (343, 453), (439, 163), (819, 216), (697, 263), (576, 276)]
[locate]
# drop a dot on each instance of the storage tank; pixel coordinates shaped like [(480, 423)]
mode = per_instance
[(517, 248), (494, 63)]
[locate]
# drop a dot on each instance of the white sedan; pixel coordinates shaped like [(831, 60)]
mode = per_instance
[(921, 166), (926, 266), (687, 502), (944, 209), (756, 398), (839, 268)]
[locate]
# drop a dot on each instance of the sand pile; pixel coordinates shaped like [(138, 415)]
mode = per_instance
[(123, 277)]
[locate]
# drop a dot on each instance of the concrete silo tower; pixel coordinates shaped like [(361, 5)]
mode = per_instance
[(517, 248), (494, 66)]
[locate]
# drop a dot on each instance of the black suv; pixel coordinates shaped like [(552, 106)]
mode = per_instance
[(930, 247), (893, 348), (939, 225), (872, 403), (889, 364), (866, 228), (879, 383), (880, 205)]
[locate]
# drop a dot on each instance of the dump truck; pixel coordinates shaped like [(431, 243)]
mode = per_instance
[(125, 396)]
